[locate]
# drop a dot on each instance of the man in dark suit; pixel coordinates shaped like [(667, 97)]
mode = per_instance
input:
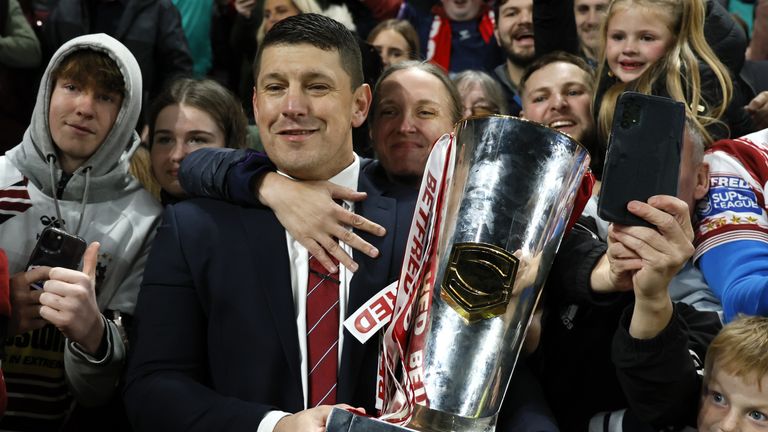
[(220, 333)]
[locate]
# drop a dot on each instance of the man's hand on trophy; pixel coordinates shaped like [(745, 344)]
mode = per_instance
[(652, 257), (312, 419)]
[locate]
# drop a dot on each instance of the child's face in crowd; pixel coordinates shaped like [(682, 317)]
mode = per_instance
[(636, 38), (180, 130), (80, 118), (391, 46), (414, 110), (731, 404), (462, 10), (559, 96), (589, 16), (276, 11)]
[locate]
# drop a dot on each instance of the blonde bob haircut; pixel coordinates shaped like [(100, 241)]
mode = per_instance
[(678, 69)]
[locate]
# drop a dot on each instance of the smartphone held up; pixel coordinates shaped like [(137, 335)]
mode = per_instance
[(643, 157)]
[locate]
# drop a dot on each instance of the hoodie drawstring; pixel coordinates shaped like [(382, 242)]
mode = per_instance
[(87, 171), (52, 168)]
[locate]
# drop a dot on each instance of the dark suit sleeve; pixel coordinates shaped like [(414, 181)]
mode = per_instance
[(224, 174), (166, 383)]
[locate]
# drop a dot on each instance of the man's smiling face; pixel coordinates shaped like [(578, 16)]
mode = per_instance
[(305, 108)]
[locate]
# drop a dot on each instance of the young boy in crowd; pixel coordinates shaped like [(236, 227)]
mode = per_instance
[(735, 391), (70, 171)]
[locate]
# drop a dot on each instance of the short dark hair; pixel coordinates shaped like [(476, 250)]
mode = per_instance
[(457, 107), (207, 96), (321, 32), (93, 69), (556, 57)]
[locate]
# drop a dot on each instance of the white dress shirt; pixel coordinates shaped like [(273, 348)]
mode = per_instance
[(299, 259)]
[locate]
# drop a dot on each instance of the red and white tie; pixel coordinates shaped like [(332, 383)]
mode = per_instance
[(322, 333)]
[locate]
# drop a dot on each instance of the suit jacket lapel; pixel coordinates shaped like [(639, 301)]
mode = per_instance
[(270, 258), (369, 279)]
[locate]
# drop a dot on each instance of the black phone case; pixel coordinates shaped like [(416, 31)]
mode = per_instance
[(57, 248), (643, 157)]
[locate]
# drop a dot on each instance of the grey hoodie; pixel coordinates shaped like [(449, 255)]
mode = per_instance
[(120, 215), (109, 177)]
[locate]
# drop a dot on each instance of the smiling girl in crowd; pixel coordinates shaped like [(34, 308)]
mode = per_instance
[(658, 47), (189, 115)]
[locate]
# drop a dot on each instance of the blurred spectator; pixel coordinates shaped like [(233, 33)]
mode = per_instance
[(456, 35), (19, 54), (277, 10), (758, 46), (151, 29), (480, 94), (395, 40), (589, 18), (758, 107), (514, 31), (196, 17), (242, 42)]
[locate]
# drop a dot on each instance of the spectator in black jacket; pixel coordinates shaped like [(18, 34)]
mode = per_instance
[(151, 29)]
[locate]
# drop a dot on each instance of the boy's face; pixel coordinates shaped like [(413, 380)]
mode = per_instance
[(731, 404), (80, 117)]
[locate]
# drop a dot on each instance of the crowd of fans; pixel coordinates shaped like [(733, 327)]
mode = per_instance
[(308, 117)]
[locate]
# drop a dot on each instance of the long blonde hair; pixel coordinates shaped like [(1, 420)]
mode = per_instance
[(679, 68)]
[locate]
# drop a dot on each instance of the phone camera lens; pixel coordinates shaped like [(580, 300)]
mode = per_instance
[(53, 241)]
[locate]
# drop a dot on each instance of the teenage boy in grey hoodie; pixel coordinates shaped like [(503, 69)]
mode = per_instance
[(71, 171)]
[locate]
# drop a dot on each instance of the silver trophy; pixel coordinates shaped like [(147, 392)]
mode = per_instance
[(513, 188)]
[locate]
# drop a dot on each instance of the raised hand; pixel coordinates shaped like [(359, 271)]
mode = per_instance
[(69, 302), (653, 257)]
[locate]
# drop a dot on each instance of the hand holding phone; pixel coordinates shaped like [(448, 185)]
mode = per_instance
[(643, 156), (56, 248), (69, 302)]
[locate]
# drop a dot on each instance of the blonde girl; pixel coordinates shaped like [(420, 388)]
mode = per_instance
[(658, 47)]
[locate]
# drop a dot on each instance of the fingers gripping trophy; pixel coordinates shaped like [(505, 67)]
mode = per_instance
[(494, 203)]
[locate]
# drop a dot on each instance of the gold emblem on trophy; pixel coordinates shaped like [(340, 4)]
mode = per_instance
[(479, 280)]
